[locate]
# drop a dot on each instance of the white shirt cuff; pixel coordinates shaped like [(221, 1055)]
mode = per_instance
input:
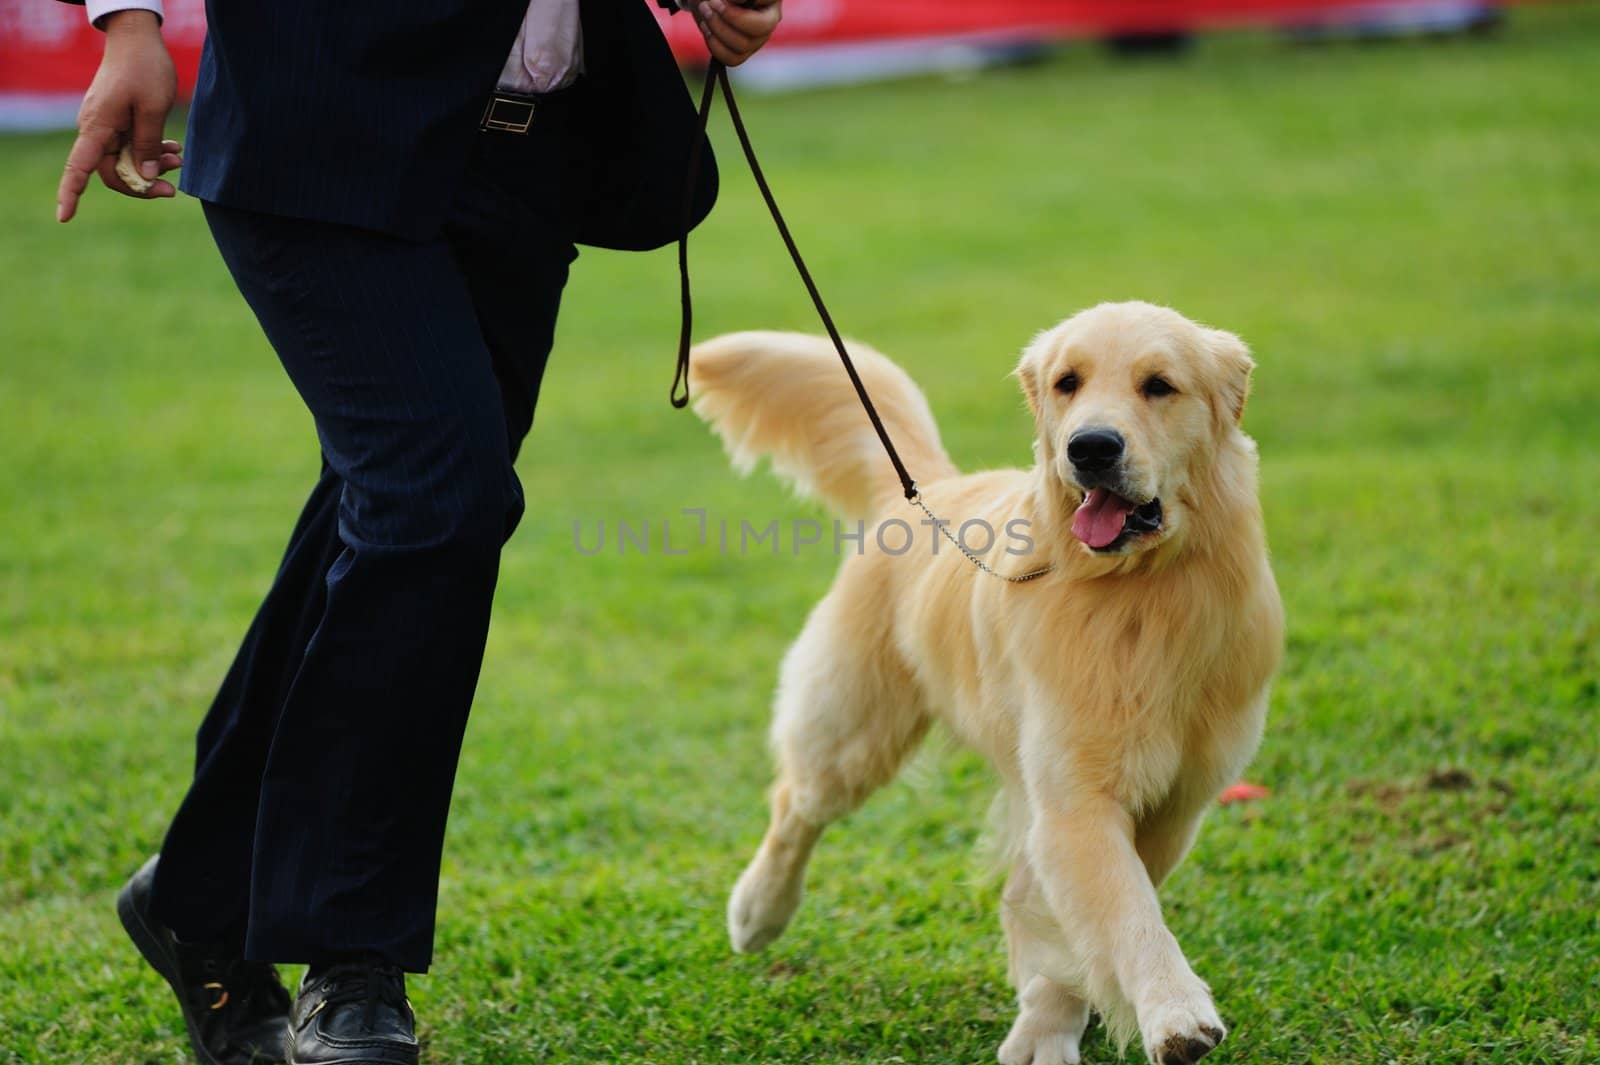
[(99, 9)]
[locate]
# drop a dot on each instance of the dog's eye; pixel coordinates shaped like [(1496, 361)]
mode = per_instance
[(1068, 384), (1156, 385)]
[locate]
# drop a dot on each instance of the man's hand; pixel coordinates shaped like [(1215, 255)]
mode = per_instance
[(127, 103), (735, 31)]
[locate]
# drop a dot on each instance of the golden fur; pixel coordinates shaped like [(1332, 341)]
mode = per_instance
[(1115, 696)]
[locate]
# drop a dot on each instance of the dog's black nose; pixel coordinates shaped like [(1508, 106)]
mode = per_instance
[(1095, 450)]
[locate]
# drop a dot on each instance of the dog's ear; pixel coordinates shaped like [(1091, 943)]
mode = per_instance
[(1234, 359), (1028, 377), (1027, 371)]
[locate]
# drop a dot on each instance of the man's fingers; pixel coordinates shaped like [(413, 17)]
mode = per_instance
[(88, 151), (736, 39), (756, 23), (147, 141), (733, 31), (158, 190), (727, 55), (171, 156), (725, 43), (95, 152), (107, 169)]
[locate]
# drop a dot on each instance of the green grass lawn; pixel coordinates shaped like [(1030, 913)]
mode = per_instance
[(1408, 235)]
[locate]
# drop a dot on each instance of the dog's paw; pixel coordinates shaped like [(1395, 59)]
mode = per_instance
[(759, 909), (1024, 1046), (1183, 1032), (1049, 1026)]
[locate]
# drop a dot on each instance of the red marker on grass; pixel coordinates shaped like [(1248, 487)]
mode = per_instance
[(1243, 791)]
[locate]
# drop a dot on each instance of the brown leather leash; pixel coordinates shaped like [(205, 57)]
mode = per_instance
[(717, 76)]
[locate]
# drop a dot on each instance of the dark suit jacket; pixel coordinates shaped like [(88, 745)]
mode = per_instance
[(363, 113)]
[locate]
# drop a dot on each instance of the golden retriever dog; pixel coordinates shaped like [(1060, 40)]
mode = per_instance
[(1115, 695)]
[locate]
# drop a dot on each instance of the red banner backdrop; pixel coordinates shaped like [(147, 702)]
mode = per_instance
[(49, 48), (815, 22)]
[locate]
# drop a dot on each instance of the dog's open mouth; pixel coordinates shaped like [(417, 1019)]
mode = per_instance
[(1105, 521)]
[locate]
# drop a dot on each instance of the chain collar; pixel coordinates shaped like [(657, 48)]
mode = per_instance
[(944, 527)]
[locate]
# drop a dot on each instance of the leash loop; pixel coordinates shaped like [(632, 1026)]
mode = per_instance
[(717, 76), (680, 376), (906, 483)]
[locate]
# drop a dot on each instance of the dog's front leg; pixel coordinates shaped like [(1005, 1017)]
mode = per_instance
[(1082, 845)]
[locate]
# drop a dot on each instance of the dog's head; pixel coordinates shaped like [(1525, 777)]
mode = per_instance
[(1133, 404)]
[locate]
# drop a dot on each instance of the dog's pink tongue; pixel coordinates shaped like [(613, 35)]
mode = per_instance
[(1099, 519)]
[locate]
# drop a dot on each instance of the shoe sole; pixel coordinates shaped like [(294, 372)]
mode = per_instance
[(150, 946)]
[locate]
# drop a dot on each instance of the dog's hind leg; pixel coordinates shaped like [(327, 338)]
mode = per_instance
[(1051, 1018), (847, 717)]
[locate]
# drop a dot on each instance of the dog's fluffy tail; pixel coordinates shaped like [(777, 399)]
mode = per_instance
[(786, 396)]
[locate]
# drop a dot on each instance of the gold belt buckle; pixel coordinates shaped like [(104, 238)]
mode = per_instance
[(508, 114)]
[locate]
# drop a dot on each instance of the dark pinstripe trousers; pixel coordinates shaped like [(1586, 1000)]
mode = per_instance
[(314, 824)]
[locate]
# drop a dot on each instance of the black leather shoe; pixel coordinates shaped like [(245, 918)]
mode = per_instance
[(353, 1013), (237, 1011)]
